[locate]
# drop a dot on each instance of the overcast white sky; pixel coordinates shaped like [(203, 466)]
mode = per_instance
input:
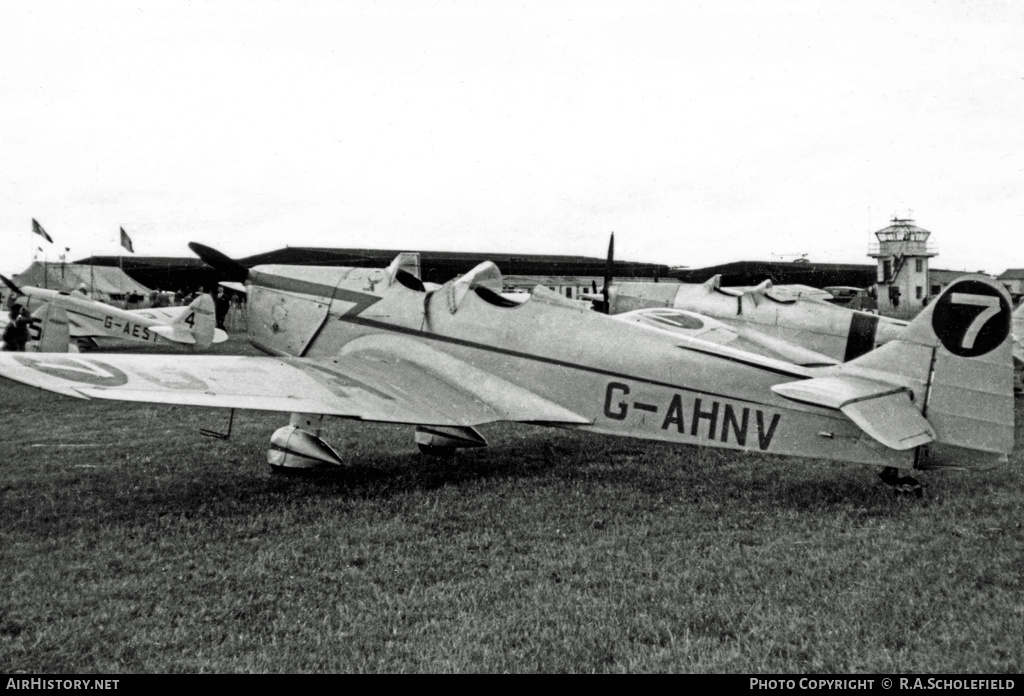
[(700, 132)]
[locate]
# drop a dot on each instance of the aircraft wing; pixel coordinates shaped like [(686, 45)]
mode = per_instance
[(179, 335), (884, 411), (694, 325), (396, 381)]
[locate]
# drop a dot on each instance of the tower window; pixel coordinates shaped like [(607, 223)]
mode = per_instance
[(919, 292), (919, 265)]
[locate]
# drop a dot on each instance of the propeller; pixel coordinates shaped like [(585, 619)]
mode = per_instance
[(609, 269), (10, 283), (230, 270)]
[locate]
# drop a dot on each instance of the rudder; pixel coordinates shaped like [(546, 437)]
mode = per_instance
[(49, 330), (199, 321), (959, 350)]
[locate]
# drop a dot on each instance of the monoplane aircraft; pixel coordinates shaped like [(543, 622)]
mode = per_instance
[(789, 290), (379, 345), (88, 319), (785, 314), (838, 332)]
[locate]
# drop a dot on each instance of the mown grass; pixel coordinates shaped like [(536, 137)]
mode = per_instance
[(128, 543)]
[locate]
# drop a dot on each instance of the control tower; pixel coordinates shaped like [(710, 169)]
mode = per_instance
[(902, 252)]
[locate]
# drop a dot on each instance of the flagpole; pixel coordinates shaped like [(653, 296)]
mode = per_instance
[(38, 229)]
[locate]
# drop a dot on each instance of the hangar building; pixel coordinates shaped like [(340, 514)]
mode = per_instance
[(565, 274)]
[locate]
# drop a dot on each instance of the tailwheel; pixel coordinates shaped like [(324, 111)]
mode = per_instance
[(902, 485), (435, 451)]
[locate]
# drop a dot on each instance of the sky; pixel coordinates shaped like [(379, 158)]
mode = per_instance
[(699, 132)]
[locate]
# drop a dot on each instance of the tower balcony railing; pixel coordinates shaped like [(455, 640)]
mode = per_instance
[(903, 248)]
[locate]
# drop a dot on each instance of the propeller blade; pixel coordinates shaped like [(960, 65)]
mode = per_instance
[(10, 283), (609, 272), (229, 269)]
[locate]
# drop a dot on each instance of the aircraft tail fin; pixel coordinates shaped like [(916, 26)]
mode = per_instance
[(957, 356), (197, 324), (49, 331)]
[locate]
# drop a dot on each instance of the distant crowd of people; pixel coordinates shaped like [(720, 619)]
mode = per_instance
[(222, 301)]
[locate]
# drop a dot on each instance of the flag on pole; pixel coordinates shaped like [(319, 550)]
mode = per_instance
[(126, 241), (38, 229)]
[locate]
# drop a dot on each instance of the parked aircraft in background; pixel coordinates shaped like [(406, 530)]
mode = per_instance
[(850, 297), (791, 291), (88, 319), (836, 332), (378, 345), (840, 333), (47, 331)]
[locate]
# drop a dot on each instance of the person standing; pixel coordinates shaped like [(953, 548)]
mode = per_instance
[(16, 332), (221, 306)]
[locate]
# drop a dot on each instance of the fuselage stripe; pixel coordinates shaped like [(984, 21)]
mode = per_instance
[(540, 358)]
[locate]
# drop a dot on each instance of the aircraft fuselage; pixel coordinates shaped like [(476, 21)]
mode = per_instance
[(90, 319), (627, 379)]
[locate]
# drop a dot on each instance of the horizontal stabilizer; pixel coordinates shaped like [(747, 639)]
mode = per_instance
[(884, 411), (893, 420), (183, 336)]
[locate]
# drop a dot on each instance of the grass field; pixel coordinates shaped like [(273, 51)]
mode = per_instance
[(129, 543)]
